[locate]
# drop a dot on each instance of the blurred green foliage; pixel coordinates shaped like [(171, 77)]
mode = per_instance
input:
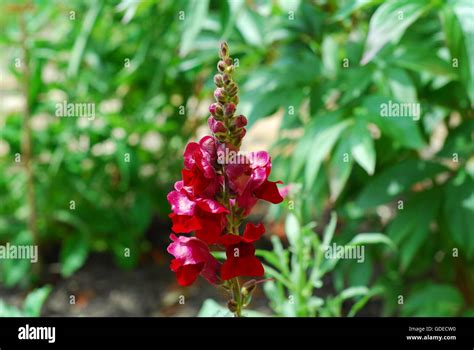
[(301, 269), (31, 305), (323, 67)]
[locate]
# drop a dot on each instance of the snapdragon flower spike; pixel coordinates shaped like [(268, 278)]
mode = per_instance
[(216, 194)]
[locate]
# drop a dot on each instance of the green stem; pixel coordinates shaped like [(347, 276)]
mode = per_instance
[(237, 295)]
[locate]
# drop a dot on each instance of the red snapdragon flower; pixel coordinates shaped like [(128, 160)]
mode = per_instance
[(192, 258), (250, 181), (205, 216), (240, 252)]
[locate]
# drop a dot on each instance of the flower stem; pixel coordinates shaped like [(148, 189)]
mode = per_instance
[(237, 295)]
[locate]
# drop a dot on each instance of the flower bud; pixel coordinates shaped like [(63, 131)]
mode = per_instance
[(216, 110), (232, 89), (218, 80), (232, 305), (248, 287), (224, 52), (221, 66), (226, 78), (220, 95), (228, 61), (235, 99), (240, 121), (229, 109), (212, 108), (216, 126)]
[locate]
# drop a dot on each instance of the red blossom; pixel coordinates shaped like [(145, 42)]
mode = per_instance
[(240, 253), (192, 258)]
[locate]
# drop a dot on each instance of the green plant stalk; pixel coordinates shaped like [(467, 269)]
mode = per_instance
[(237, 295), (234, 282)]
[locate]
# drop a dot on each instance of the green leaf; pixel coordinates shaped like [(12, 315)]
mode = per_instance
[(362, 301), (459, 31), (352, 292), (353, 5), (340, 167), (279, 277), (276, 294), (419, 57), (73, 253), (353, 82), (401, 85), (82, 39), (301, 153), (402, 130), (15, 271), (322, 144), (74, 221), (395, 180), (436, 300), (411, 226), (262, 104), (329, 231), (458, 209), (248, 23), (269, 256), (35, 300), (289, 5), (371, 238), (195, 16), (281, 253), (362, 147), (389, 22), (293, 230), (330, 55), (9, 311), (360, 274)]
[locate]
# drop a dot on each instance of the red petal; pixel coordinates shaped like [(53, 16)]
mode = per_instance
[(244, 266), (253, 233), (268, 191), (229, 239), (175, 265), (187, 274), (211, 227), (184, 223)]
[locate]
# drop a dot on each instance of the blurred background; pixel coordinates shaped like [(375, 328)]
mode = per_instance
[(314, 75)]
